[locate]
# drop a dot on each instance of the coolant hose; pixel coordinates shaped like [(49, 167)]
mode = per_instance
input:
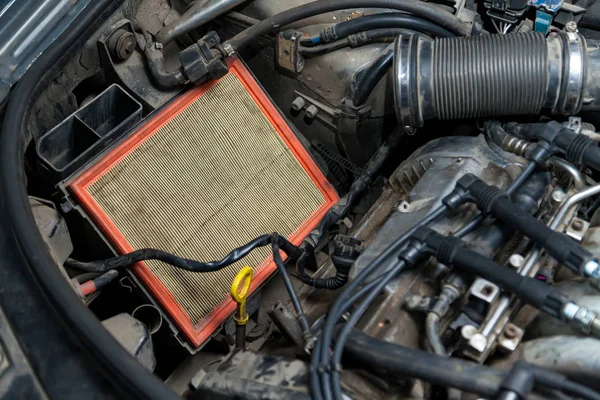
[(377, 21), (494, 75), (417, 8)]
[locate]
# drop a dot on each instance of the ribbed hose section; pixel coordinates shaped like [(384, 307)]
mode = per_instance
[(490, 75)]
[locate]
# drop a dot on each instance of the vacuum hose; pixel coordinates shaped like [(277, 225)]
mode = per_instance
[(494, 75)]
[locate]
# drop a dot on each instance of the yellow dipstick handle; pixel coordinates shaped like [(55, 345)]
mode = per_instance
[(239, 292)]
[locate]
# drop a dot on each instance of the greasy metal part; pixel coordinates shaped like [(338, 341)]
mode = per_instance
[(484, 290), (432, 78), (28, 28), (133, 335), (201, 12), (252, 376), (122, 44), (510, 338), (287, 323), (503, 308), (577, 229), (573, 356), (576, 175), (150, 316), (287, 51)]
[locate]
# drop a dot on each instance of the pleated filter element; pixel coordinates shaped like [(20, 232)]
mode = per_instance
[(210, 172)]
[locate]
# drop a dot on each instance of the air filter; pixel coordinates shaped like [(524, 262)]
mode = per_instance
[(216, 168)]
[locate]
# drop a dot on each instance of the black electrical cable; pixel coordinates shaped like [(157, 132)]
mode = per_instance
[(309, 52), (342, 302), (339, 211), (347, 328), (358, 39), (302, 320), (115, 363), (183, 263), (377, 21), (423, 10), (342, 305), (476, 220)]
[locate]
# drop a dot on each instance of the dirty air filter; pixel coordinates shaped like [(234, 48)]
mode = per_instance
[(212, 171)]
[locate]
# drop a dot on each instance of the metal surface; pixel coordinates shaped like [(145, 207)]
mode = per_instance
[(133, 335), (201, 12), (576, 49), (577, 229), (287, 51), (27, 28), (502, 309)]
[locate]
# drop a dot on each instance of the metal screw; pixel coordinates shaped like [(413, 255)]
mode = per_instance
[(571, 26), (577, 225), (516, 261), (312, 111)]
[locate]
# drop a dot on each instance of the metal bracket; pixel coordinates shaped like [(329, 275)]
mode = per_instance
[(287, 51)]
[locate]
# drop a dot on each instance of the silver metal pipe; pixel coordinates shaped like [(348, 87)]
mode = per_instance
[(578, 181), (201, 12), (572, 202)]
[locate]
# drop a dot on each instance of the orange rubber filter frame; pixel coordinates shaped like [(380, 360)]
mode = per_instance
[(201, 332)]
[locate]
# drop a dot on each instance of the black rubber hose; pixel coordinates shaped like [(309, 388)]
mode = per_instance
[(460, 78), (345, 300), (452, 251), (491, 200), (443, 371), (191, 265), (478, 219), (115, 363), (365, 80), (383, 20), (415, 7)]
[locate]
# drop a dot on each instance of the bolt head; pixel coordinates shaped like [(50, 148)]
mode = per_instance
[(558, 196), (577, 225), (516, 261), (571, 26)]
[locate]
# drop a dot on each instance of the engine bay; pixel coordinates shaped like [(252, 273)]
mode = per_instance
[(329, 199)]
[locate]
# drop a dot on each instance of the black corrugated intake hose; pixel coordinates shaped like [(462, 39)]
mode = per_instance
[(492, 75), (417, 8), (112, 360)]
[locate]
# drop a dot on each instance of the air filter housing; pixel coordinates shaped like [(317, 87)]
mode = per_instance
[(216, 168)]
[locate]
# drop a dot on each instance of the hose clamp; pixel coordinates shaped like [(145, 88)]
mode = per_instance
[(574, 76), (406, 93)]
